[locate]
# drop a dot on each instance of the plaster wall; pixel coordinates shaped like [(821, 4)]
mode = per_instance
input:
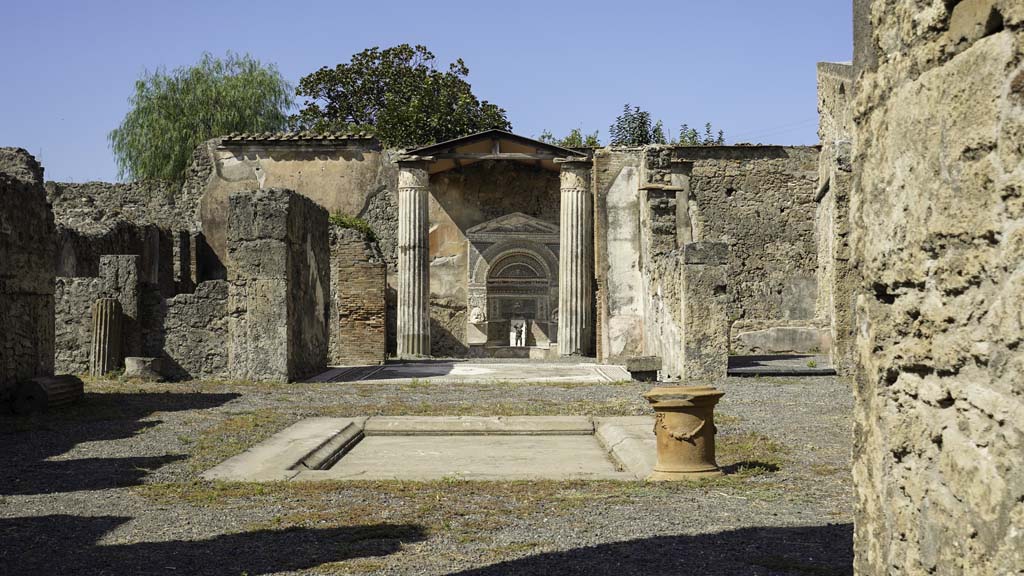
[(347, 177)]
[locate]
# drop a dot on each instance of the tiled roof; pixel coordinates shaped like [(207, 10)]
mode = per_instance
[(304, 136)]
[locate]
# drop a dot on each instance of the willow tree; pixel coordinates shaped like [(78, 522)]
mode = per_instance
[(172, 113)]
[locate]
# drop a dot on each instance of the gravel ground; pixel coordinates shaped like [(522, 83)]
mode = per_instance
[(110, 487)]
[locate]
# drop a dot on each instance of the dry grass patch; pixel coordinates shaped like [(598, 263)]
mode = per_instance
[(235, 435)]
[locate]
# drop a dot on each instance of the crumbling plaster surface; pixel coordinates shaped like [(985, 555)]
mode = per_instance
[(938, 234), (342, 178)]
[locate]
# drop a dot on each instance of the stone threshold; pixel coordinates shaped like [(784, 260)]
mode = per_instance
[(426, 448)]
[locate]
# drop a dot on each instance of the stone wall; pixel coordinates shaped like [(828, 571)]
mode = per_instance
[(358, 300), (344, 173), (118, 278), (279, 293), (760, 200), (836, 278), (155, 220), (937, 212), (26, 271), (196, 333)]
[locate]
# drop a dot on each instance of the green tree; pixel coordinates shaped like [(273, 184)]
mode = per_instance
[(690, 137), (172, 113), (574, 139), (635, 128), (399, 95)]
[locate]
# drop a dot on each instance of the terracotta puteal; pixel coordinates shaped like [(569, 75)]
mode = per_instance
[(685, 428)]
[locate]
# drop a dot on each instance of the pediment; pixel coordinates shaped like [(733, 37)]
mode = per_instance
[(515, 224)]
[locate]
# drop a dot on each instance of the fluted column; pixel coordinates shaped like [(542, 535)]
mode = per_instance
[(413, 260), (106, 337), (575, 258)]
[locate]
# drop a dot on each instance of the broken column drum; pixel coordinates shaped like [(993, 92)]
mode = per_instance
[(575, 256), (106, 336), (413, 322), (685, 429)]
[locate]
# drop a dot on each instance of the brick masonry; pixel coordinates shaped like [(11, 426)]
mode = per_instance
[(358, 300)]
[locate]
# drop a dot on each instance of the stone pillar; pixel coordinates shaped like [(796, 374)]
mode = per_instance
[(413, 260), (705, 320), (575, 258), (106, 337)]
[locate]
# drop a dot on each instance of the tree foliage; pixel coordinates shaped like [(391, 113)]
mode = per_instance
[(690, 137), (634, 127), (172, 113), (399, 95), (574, 139)]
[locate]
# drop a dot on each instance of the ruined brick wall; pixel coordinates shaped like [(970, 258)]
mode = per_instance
[(26, 270), (118, 278), (196, 333), (938, 234), (358, 300), (279, 292), (836, 278)]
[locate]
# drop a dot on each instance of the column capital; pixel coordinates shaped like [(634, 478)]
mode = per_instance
[(413, 174)]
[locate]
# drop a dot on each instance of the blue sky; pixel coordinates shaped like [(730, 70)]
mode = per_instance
[(748, 66)]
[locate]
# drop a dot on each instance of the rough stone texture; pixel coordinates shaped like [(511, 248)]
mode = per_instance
[(705, 301), (196, 339), (279, 294), (938, 234), (118, 278), (344, 175), (26, 271), (358, 300), (150, 369), (660, 264), (836, 279), (148, 219), (760, 200)]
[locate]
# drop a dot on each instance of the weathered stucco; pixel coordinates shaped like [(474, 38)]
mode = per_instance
[(938, 234), (344, 175)]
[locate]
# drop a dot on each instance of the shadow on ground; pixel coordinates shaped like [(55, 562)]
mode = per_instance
[(811, 550), (69, 545), (30, 442)]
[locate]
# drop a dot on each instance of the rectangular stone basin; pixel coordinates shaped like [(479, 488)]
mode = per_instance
[(435, 448)]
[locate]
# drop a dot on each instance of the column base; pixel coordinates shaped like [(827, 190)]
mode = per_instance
[(676, 475)]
